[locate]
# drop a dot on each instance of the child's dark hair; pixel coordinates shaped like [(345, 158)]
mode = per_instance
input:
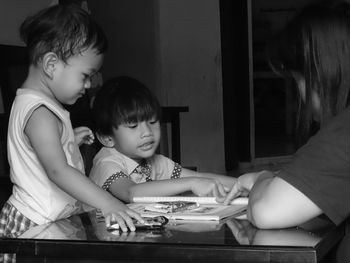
[(123, 100), (63, 29)]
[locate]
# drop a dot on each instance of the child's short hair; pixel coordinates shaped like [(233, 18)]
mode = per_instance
[(63, 29), (123, 100)]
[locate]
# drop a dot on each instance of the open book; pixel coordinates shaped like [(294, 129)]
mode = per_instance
[(191, 208)]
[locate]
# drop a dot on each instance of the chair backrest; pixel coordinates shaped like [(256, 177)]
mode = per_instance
[(171, 140)]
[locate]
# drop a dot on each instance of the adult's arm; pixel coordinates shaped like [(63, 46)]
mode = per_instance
[(273, 202)]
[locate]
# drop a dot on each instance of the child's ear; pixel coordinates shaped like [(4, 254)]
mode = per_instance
[(106, 141), (49, 64)]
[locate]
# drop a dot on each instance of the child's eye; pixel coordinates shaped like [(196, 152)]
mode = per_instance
[(131, 125), (153, 121)]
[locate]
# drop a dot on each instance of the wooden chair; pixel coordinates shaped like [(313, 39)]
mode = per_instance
[(170, 145)]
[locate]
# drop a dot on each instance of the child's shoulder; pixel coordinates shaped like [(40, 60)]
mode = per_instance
[(27, 93), (33, 96), (159, 159), (27, 100), (106, 154), (106, 159)]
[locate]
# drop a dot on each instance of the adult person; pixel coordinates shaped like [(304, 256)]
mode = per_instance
[(314, 48)]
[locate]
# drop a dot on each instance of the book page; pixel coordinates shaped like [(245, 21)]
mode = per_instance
[(204, 212), (197, 199)]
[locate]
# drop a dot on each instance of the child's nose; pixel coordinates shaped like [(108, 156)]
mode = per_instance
[(146, 129)]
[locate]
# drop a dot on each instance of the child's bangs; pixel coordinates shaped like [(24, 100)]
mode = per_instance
[(138, 112)]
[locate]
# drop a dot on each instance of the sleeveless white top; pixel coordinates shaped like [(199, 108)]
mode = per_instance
[(34, 194)]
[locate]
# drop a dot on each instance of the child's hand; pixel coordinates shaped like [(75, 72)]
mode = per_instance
[(84, 135), (207, 187), (242, 186), (228, 189), (121, 214)]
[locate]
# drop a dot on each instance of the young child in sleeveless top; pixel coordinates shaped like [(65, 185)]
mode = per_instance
[(66, 48)]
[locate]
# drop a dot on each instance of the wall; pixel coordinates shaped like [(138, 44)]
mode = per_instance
[(174, 47), (191, 75), (130, 29), (12, 14)]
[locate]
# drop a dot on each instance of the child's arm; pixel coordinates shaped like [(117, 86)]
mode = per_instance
[(83, 135), (43, 130), (227, 181), (126, 190), (245, 183)]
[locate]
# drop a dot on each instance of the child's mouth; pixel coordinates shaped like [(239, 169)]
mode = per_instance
[(146, 146)]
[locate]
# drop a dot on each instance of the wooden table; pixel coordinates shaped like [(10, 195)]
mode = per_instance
[(84, 237)]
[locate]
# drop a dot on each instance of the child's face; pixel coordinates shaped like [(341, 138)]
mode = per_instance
[(137, 140), (72, 78)]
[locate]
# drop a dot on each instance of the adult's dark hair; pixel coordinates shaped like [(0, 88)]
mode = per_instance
[(123, 100), (63, 29), (316, 44)]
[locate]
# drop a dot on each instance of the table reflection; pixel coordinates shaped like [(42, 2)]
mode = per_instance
[(70, 228), (231, 231), (246, 234)]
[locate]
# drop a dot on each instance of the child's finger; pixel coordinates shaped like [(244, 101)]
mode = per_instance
[(235, 191), (216, 191), (89, 139), (82, 129), (227, 189), (127, 222), (108, 220), (86, 134), (120, 221), (115, 219), (221, 189), (135, 215)]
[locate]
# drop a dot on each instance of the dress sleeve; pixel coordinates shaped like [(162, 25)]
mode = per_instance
[(106, 172), (112, 178), (177, 171)]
